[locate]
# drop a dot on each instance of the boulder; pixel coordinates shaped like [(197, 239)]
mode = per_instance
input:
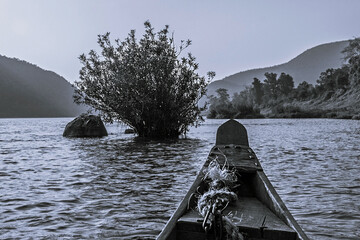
[(85, 126)]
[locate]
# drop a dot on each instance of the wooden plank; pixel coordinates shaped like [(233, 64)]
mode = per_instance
[(251, 217), (267, 195), (186, 235), (251, 212), (271, 234), (169, 231)]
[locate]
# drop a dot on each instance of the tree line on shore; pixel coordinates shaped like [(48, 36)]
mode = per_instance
[(275, 92)]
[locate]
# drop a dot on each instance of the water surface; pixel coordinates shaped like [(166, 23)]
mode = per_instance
[(115, 187)]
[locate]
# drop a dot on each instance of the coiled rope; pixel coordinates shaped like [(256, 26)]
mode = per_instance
[(212, 203)]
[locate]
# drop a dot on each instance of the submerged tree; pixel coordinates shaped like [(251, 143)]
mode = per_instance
[(144, 83)]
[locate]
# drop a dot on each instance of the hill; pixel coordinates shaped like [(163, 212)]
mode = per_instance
[(305, 67), (29, 91)]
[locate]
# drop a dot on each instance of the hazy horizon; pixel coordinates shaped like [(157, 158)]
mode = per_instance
[(228, 37)]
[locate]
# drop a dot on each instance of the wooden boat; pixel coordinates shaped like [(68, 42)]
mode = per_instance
[(258, 212)]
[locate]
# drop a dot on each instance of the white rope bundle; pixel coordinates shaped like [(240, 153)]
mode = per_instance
[(223, 196), (219, 193)]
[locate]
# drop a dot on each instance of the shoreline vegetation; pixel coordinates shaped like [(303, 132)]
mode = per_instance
[(339, 106), (335, 95)]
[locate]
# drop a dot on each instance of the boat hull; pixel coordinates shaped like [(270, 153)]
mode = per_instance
[(258, 212)]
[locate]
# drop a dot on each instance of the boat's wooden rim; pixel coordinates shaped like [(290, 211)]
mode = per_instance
[(265, 192), (171, 224)]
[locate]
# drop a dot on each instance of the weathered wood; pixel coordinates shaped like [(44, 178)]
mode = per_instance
[(232, 132), (186, 235), (259, 212), (250, 215), (267, 194), (240, 157), (168, 231)]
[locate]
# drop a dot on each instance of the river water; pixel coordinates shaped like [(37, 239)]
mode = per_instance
[(117, 187)]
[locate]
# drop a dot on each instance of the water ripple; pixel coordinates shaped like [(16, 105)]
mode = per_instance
[(118, 187)]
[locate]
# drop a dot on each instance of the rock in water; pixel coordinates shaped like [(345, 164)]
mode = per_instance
[(85, 126)]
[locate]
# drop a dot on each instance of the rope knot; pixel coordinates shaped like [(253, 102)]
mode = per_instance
[(212, 203)]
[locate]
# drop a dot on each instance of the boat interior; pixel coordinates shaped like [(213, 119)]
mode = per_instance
[(258, 213), (255, 212)]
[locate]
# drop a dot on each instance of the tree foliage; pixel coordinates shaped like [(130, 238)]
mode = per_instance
[(240, 106), (271, 86), (144, 83), (304, 91), (247, 103), (354, 71), (333, 79), (352, 56), (220, 105), (285, 84), (352, 49), (274, 87), (258, 90)]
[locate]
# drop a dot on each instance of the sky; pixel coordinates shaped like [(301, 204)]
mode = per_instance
[(228, 36)]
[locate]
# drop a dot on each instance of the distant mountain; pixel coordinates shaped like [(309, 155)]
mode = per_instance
[(305, 67), (29, 91)]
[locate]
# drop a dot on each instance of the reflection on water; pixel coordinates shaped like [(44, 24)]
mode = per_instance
[(117, 187)]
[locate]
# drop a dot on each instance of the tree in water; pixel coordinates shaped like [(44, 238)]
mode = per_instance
[(145, 83)]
